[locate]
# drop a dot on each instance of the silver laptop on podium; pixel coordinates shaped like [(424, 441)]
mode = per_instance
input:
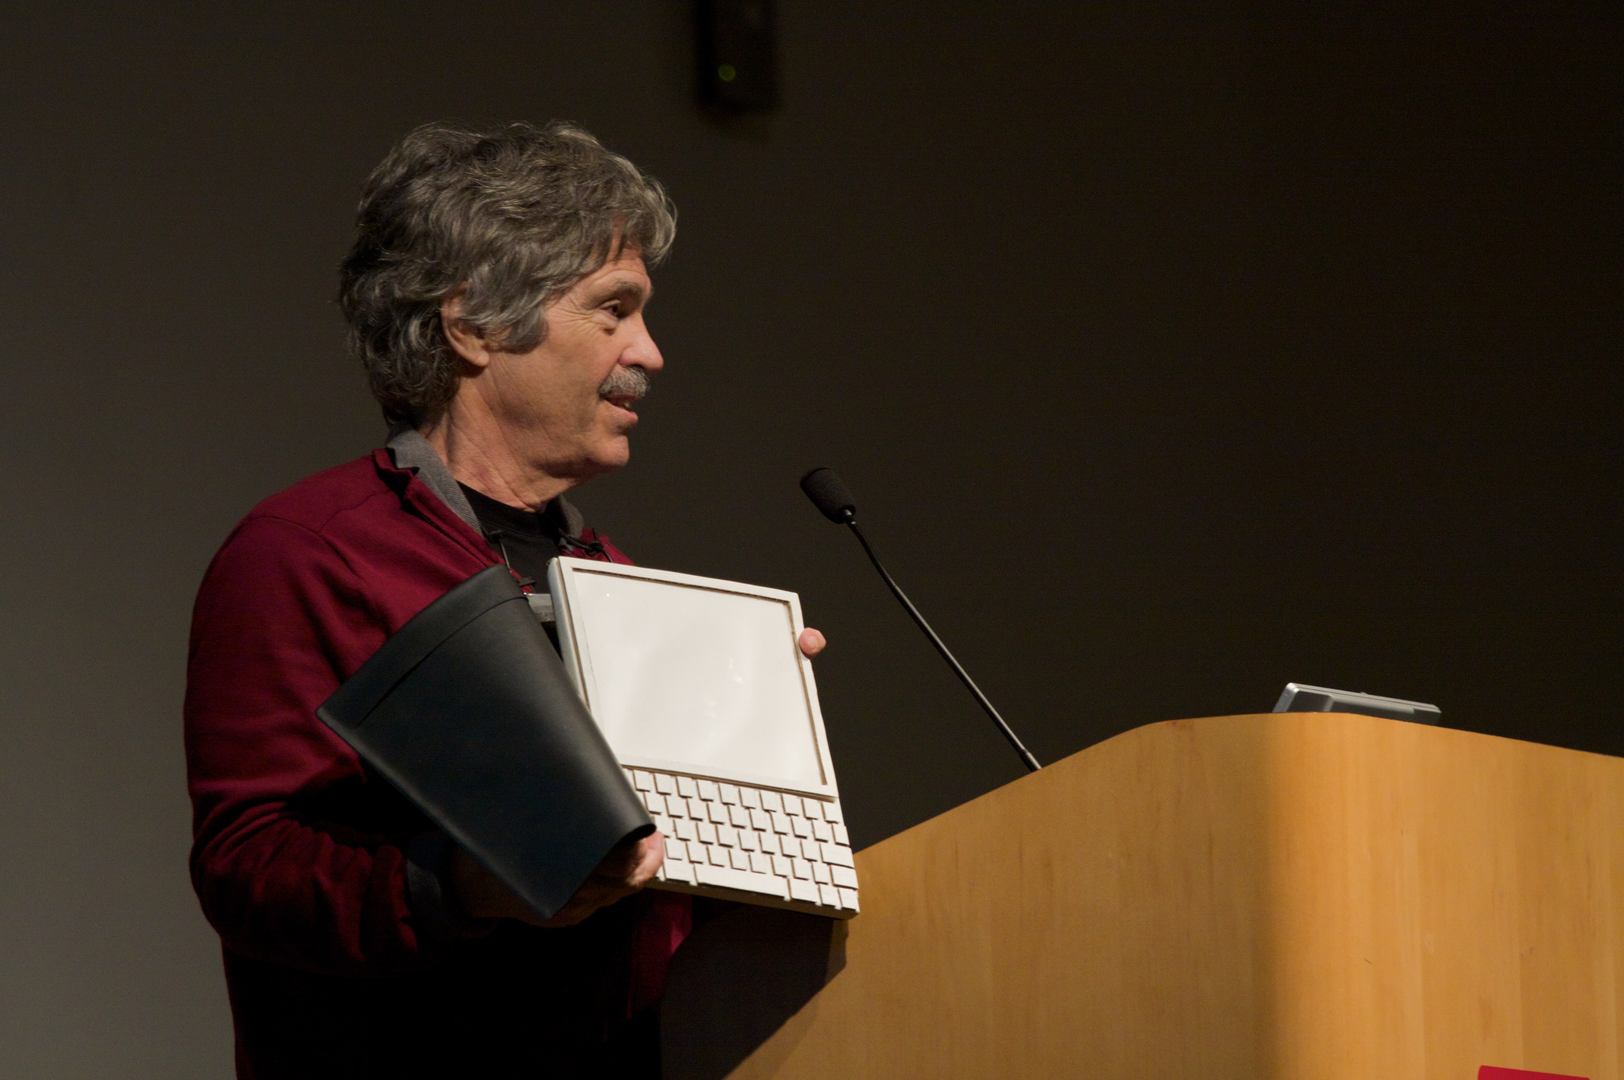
[(701, 691)]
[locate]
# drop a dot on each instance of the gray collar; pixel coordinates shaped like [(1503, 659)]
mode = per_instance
[(411, 451)]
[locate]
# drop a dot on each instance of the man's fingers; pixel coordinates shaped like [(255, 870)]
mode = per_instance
[(812, 642), (631, 865), (651, 856)]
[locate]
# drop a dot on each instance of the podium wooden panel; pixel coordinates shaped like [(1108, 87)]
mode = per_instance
[(1309, 895)]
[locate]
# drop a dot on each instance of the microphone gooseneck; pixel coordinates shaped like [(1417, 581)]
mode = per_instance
[(830, 495)]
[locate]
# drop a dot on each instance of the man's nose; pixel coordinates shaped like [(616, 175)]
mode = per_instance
[(643, 352)]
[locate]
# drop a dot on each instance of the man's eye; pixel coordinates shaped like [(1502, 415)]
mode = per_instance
[(613, 308)]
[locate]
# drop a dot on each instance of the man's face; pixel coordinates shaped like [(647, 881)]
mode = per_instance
[(565, 407)]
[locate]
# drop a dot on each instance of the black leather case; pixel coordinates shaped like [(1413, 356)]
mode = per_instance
[(468, 711)]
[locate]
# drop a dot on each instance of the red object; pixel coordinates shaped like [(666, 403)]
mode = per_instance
[(1496, 1072)]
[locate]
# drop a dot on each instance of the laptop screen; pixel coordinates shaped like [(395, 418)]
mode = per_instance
[(693, 675)]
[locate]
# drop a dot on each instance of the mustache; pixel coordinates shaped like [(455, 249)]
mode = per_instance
[(628, 382)]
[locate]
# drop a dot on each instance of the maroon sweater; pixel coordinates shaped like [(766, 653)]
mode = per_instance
[(322, 881)]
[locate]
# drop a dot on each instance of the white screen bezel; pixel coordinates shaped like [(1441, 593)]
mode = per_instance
[(591, 662)]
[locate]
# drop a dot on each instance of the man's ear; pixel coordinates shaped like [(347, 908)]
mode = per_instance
[(466, 341)]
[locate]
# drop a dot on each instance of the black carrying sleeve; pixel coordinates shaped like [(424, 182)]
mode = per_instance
[(468, 711)]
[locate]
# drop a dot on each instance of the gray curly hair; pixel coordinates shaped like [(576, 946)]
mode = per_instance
[(510, 217)]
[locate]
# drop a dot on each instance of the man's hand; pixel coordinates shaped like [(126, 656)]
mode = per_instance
[(629, 867), (811, 642)]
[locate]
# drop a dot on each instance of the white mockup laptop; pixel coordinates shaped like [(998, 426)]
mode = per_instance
[(703, 694)]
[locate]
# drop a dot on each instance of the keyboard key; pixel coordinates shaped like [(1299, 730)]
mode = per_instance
[(642, 780), (696, 809), (707, 790), (686, 787), (804, 891), (841, 837), (751, 798), (748, 841), (678, 871), (655, 804), (822, 831), (717, 812), (772, 802), (718, 856), (760, 863), (675, 807), (727, 836), (844, 876), (676, 851), (848, 899), (707, 833), (792, 804), (813, 808), (739, 816), (665, 783), (827, 896), (740, 860), (743, 880), (831, 812), (812, 851), (760, 821), (781, 866), (780, 823), (802, 827), (685, 829), (730, 793), (801, 868), (820, 874), (771, 843), (837, 855), (696, 851)]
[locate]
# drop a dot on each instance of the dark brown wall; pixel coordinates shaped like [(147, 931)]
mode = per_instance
[(1170, 358)]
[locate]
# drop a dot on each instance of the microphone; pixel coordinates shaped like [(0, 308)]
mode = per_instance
[(830, 495)]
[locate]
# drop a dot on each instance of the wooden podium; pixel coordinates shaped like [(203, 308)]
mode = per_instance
[(1300, 895)]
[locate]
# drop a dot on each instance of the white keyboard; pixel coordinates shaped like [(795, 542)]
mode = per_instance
[(757, 845)]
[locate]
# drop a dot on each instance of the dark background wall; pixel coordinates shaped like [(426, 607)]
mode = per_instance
[(1170, 356)]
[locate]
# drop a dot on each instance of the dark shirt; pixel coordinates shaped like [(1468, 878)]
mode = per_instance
[(527, 539)]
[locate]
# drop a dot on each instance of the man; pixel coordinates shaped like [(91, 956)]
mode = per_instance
[(496, 296)]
